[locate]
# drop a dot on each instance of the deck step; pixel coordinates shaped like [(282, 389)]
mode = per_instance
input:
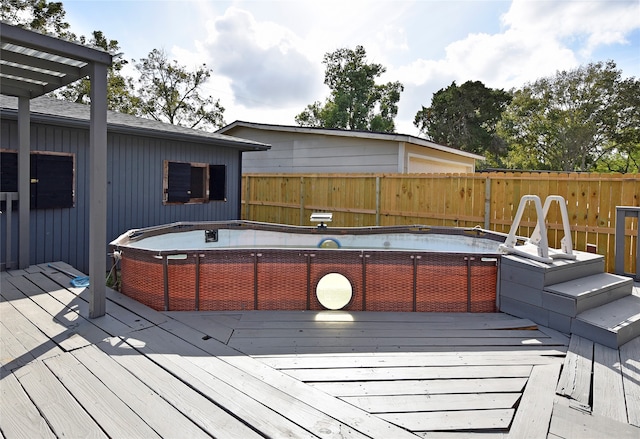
[(612, 324), (579, 295), (534, 274)]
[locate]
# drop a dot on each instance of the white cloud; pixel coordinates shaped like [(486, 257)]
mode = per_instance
[(261, 60), (538, 39), (587, 24), (267, 55)]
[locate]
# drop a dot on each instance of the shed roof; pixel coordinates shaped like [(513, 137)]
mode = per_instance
[(394, 137), (49, 110)]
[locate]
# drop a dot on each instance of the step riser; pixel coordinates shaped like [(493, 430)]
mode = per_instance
[(538, 276), (541, 316), (603, 336), (571, 306), (560, 322)]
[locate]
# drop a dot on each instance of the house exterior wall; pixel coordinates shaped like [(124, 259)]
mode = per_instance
[(417, 161), (134, 189), (300, 152), (316, 153)]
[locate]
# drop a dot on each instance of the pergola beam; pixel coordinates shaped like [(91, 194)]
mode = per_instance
[(33, 64)]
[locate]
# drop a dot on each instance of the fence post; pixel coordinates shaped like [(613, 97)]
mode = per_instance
[(246, 198), (377, 200), (487, 203), (302, 201)]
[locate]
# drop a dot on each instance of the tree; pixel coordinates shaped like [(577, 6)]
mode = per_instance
[(466, 117), (356, 102), (168, 92), (120, 89), (623, 154), (572, 120), (48, 17), (38, 15)]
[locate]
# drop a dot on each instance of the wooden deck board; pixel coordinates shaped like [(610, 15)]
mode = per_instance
[(608, 393), (162, 417), (63, 413), (421, 387), (422, 333), (569, 423), (106, 408), (409, 373), (280, 384), (453, 420), (575, 380), (19, 417), (180, 394), (380, 374), (534, 412), (630, 361), (478, 358), (433, 403)]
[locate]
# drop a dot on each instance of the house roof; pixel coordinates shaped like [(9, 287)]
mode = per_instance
[(394, 137), (49, 110)]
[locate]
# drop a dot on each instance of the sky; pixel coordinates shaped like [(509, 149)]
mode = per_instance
[(266, 55)]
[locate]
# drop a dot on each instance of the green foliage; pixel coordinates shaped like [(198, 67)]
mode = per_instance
[(120, 89), (356, 102), (38, 15), (170, 93), (48, 17), (465, 117), (573, 121)]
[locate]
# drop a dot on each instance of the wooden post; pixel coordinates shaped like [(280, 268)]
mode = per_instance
[(377, 200), (247, 194), (302, 220), (9, 214), (98, 191), (24, 181), (623, 212), (487, 203)]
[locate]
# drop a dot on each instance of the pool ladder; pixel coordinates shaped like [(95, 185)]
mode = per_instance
[(536, 247)]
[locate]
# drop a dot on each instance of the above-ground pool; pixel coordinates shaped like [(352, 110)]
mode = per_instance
[(243, 265)]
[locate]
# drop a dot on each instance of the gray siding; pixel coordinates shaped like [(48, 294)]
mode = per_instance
[(315, 153), (135, 175)]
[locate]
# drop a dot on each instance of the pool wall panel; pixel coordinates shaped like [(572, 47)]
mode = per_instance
[(441, 284), (349, 264), (287, 280), (227, 281)]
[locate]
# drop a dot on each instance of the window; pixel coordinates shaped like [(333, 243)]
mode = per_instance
[(51, 176), (193, 182), (8, 172), (217, 183)]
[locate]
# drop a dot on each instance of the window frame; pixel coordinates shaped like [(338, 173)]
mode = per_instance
[(35, 179), (205, 168)]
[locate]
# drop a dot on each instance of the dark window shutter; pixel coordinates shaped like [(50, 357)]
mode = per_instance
[(51, 181), (197, 182), (8, 172), (178, 182), (217, 182)]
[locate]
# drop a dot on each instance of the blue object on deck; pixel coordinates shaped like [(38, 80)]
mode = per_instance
[(80, 281), (77, 281)]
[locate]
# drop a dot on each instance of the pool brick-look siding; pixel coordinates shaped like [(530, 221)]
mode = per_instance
[(284, 279)]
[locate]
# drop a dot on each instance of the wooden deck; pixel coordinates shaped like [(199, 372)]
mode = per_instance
[(139, 373)]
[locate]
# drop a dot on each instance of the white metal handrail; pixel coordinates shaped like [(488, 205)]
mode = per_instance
[(536, 247)]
